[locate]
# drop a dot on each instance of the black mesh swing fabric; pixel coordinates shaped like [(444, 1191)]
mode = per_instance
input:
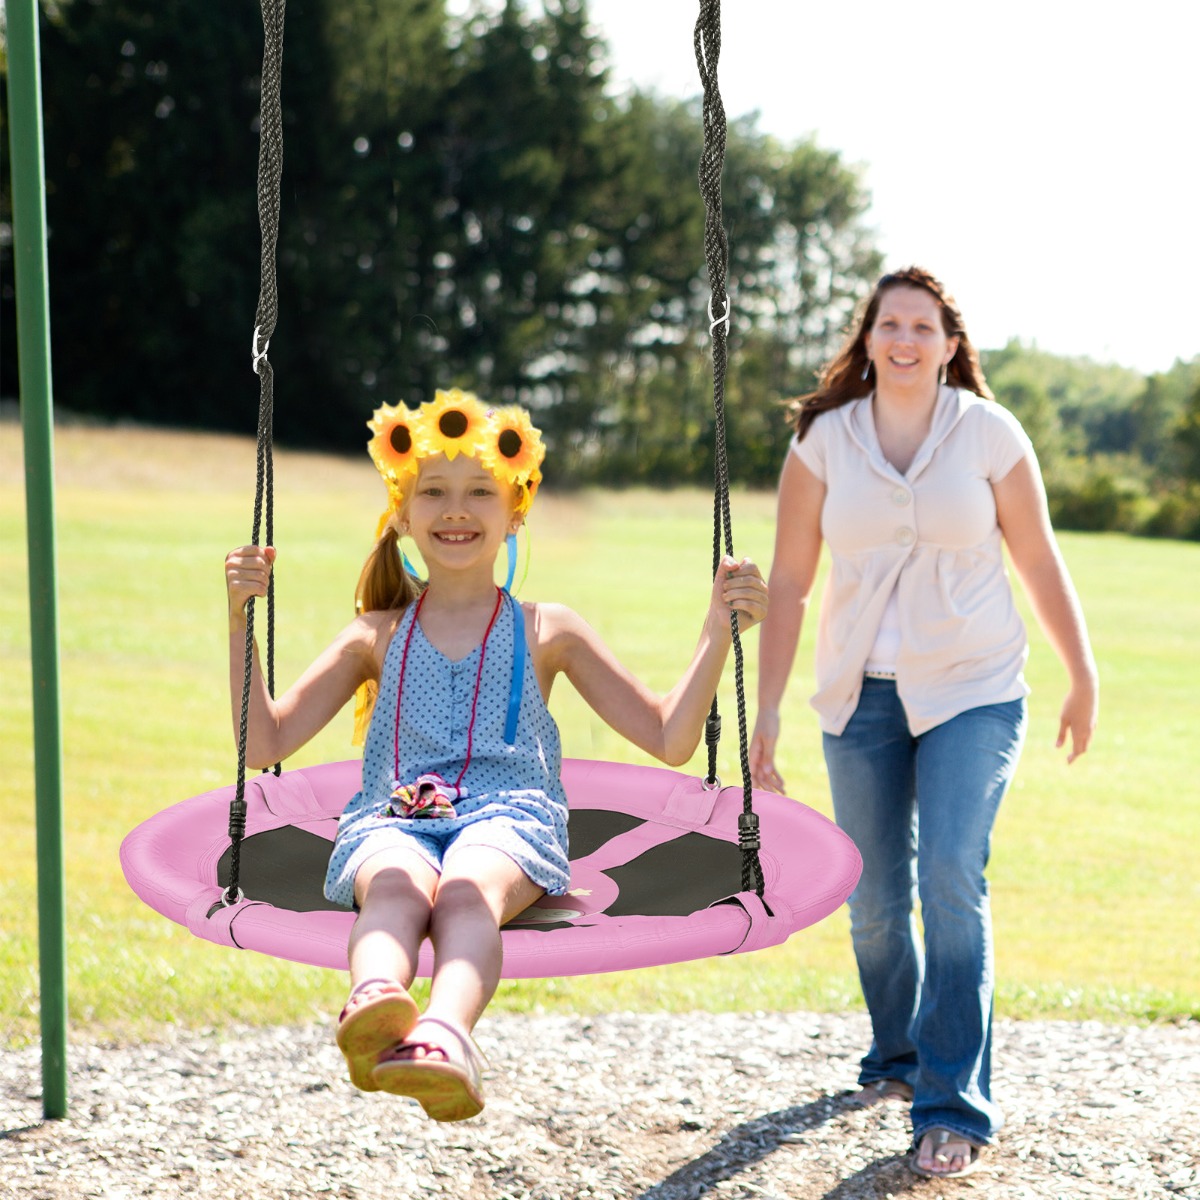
[(679, 877)]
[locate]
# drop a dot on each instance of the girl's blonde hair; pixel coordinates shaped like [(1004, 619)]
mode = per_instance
[(383, 583), (383, 586)]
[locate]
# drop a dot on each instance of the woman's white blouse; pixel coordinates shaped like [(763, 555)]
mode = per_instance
[(930, 534)]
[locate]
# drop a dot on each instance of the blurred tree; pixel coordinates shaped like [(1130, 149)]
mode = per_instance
[(1025, 396), (519, 157), (1151, 416), (149, 150), (1160, 413), (1092, 400), (463, 203), (1186, 437), (360, 229), (799, 260)]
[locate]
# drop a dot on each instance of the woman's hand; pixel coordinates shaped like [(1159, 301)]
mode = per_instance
[(740, 587), (763, 772), (1080, 711), (247, 573)]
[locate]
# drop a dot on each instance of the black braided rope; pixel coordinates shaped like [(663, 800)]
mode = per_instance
[(270, 172), (716, 252)]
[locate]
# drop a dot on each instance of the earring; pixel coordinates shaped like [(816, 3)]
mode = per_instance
[(942, 375), (867, 369)]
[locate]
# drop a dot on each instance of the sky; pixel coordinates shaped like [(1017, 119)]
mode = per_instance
[(1040, 156)]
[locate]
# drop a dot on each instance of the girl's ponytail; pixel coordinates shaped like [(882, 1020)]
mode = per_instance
[(383, 585)]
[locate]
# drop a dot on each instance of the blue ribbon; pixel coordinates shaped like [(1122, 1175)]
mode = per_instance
[(510, 543), (518, 672)]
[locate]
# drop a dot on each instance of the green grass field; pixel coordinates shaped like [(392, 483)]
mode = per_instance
[(1095, 890)]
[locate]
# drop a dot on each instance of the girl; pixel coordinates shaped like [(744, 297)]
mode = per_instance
[(461, 821)]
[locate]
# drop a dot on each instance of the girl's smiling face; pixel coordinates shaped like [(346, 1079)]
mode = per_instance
[(907, 341), (459, 514)]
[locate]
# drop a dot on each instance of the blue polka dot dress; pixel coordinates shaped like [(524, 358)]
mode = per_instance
[(513, 797)]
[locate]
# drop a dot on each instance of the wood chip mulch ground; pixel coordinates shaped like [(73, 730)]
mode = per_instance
[(612, 1107)]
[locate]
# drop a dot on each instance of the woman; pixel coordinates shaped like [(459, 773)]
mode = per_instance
[(917, 479)]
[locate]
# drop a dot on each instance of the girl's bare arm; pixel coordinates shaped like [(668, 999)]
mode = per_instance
[(278, 727), (667, 726)]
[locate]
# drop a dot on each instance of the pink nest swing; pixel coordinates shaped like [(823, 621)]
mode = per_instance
[(653, 851)]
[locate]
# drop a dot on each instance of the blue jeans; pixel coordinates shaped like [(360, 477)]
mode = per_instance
[(921, 810)]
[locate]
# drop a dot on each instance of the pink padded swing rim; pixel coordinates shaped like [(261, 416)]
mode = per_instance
[(809, 868)]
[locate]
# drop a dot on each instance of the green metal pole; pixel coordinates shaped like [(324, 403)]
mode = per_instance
[(37, 423)]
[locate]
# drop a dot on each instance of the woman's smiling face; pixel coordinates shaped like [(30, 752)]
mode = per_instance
[(908, 342)]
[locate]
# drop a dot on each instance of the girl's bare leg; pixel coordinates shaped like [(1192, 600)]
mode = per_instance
[(438, 1064), (395, 891), (480, 889)]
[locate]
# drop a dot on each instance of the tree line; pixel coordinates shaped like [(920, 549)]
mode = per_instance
[(466, 203), (1119, 450)]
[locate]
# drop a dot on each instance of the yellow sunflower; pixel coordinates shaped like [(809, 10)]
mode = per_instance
[(395, 447), (514, 449), (453, 423), (529, 491)]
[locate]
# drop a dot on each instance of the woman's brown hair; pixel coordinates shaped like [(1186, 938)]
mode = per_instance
[(843, 379)]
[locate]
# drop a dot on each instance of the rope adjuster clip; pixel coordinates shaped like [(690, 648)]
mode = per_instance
[(748, 831), (257, 355), (713, 321)]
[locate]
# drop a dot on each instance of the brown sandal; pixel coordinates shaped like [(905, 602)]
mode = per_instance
[(941, 1138), (372, 1024), (882, 1091)]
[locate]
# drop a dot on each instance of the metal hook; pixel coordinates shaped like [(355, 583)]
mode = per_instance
[(256, 355), (714, 321)]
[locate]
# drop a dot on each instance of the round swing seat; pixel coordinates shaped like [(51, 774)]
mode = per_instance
[(655, 871)]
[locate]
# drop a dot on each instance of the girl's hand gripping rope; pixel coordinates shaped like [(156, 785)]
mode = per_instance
[(247, 574), (739, 587)]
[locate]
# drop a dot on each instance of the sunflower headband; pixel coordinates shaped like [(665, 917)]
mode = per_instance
[(503, 440)]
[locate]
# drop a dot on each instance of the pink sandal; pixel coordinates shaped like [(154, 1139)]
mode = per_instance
[(447, 1087), (372, 1024)]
